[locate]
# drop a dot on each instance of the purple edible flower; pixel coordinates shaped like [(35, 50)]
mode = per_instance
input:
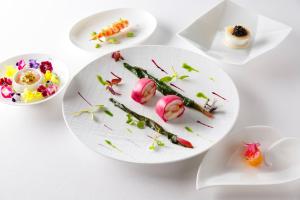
[(33, 64)]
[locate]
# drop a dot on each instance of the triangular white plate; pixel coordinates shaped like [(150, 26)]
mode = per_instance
[(207, 33), (223, 165)]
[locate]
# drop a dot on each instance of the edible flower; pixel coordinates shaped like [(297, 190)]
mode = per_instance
[(33, 64), (6, 91), (21, 64), (5, 81), (31, 96), (253, 154), (10, 71), (46, 65)]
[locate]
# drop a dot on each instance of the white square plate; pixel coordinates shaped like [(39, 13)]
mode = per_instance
[(207, 33)]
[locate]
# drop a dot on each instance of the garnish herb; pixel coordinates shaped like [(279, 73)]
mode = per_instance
[(138, 123), (173, 77), (161, 69), (113, 40), (152, 124), (167, 90), (188, 129), (156, 144), (189, 68), (201, 95), (109, 143), (97, 46), (130, 34), (101, 80), (108, 113)]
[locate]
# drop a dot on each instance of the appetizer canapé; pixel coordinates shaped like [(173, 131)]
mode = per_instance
[(237, 36)]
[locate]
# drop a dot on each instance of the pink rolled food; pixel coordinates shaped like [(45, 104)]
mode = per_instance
[(170, 107), (144, 90)]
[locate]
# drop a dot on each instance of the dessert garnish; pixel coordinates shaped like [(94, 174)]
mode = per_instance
[(165, 89), (236, 36), (144, 90), (169, 107), (252, 154), (153, 125)]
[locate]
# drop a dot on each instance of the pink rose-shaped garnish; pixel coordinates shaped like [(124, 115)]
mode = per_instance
[(46, 65)]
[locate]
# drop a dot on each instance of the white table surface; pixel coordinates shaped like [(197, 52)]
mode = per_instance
[(40, 159)]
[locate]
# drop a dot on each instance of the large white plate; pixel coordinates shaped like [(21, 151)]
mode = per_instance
[(141, 22), (134, 146)]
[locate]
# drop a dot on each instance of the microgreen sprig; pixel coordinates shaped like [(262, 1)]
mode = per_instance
[(173, 77), (138, 123)]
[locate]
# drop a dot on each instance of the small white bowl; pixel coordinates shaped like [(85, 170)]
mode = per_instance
[(207, 33), (19, 88), (58, 67)]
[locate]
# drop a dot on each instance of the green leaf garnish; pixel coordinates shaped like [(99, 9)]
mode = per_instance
[(113, 40), (188, 129), (93, 33), (183, 77), (92, 110), (156, 144), (97, 46), (167, 79), (101, 80), (188, 68), (130, 34), (201, 95), (109, 143), (140, 124), (108, 113)]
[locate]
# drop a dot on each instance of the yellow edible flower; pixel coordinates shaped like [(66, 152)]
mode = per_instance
[(10, 71), (31, 96), (49, 76)]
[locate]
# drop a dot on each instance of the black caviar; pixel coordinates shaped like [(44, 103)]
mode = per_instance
[(239, 31)]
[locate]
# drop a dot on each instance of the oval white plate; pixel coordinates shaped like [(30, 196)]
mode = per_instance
[(141, 22), (58, 67), (134, 146), (223, 165)]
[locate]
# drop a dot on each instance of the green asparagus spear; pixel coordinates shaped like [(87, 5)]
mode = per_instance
[(167, 90), (153, 125)]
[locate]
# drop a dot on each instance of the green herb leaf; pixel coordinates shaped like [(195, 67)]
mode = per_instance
[(97, 46), (166, 79), (93, 33), (130, 34), (140, 124), (201, 95), (160, 143), (188, 129), (112, 145), (189, 68), (129, 119), (108, 113), (183, 77), (152, 147), (113, 40), (101, 80)]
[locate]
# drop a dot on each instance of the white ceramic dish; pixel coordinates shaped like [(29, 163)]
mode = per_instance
[(58, 67), (207, 33), (141, 22), (223, 165), (135, 145)]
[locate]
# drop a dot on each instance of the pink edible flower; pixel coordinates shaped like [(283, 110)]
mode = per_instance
[(21, 64), (6, 91)]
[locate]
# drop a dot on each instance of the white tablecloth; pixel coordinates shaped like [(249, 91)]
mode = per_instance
[(40, 159)]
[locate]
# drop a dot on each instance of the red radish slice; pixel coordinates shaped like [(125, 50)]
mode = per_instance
[(169, 107), (144, 90)]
